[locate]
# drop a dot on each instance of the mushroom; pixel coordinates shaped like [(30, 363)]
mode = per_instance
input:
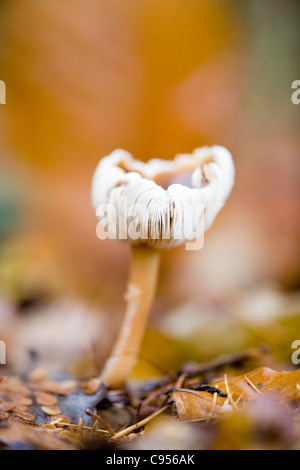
[(153, 206)]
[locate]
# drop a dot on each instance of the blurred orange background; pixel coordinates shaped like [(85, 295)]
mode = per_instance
[(156, 77)]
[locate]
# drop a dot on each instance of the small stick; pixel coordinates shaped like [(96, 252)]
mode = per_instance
[(95, 426), (80, 426), (86, 428), (180, 380), (213, 405), (101, 421), (191, 392), (196, 420), (164, 389), (142, 423), (252, 385), (138, 413), (239, 398), (231, 400)]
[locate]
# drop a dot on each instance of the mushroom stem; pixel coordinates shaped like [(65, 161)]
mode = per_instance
[(139, 296)]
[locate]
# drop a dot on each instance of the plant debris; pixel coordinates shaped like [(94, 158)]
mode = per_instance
[(62, 412)]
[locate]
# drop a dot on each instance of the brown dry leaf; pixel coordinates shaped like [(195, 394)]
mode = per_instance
[(91, 386), (51, 410), (45, 399), (20, 409), (37, 375), (13, 386), (192, 405), (61, 420), (50, 426), (28, 417), (279, 385), (24, 401), (36, 437), (66, 387), (15, 419), (7, 405)]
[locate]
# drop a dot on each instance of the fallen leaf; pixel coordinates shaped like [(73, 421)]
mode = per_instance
[(27, 417), (91, 386), (192, 405), (281, 385), (35, 437), (278, 385), (7, 405), (51, 410), (20, 409), (45, 399)]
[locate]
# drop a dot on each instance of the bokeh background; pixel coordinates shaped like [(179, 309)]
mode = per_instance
[(156, 77)]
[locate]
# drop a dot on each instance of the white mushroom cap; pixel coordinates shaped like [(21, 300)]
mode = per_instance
[(141, 211)]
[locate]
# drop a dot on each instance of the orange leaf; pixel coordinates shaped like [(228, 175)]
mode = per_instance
[(279, 385)]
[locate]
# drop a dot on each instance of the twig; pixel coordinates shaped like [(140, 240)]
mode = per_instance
[(225, 404), (80, 426), (239, 399), (213, 405), (142, 423), (86, 428), (101, 421), (180, 380), (159, 391), (191, 392), (138, 413), (95, 426), (251, 384), (231, 400)]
